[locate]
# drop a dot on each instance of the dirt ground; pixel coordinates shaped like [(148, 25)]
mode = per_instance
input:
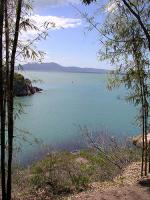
[(128, 186), (124, 193)]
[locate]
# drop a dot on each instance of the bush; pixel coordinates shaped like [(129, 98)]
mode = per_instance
[(64, 172), (60, 173)]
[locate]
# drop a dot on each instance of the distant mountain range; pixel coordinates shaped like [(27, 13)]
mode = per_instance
[(54, 67)]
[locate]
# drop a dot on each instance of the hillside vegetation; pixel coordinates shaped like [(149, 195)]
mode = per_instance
[(64, 173)]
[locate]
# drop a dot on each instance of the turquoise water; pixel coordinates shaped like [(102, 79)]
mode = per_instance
[(70, 100)]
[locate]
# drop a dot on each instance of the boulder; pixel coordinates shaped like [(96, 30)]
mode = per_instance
[(138, 140), (23, 87)]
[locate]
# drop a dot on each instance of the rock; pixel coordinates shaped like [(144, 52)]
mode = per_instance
[(23, 87), (138, 140), (82, 160), (37, 89)]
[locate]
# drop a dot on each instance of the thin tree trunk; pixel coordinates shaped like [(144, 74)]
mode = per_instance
[(144, 107), (146, 122), (143, 142), (2, 112), (138, 17), (11, 101), (143, 117), (149, 157), (143, 122), (7, 56), (7, 47)]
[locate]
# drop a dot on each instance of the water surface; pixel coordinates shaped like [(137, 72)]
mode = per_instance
[(70, 100)]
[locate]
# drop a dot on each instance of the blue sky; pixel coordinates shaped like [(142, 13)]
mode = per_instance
[(72, 45)]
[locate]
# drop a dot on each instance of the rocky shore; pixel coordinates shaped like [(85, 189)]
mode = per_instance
[(24, 87)]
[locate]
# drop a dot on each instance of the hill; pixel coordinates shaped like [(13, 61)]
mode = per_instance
[(54, 67)]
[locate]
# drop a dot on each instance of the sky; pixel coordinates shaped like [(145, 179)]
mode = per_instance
[(69, 43)]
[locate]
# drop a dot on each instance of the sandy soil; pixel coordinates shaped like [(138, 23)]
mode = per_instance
[(124, 187), (127, 186), (124, 193)]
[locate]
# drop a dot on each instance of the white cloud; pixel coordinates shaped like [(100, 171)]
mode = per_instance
[(54, 2), (58, 22)]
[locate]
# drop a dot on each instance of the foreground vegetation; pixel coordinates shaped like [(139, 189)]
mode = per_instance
[(63, 173), (125, 36), (125, 44)]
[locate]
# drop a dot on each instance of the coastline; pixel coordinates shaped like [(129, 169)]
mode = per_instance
[(24, 87)]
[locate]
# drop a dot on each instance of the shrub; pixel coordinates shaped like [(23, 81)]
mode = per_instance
[(64, 172), (60, 173)]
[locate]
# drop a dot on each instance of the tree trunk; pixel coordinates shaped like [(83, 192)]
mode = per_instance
[(144, 105), (149, 157), (7, 56), (138, 17), (143, 143), (2, 111), (11, 101), (146, 123)]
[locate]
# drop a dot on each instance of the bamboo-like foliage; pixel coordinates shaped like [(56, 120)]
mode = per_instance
[(14, 18), (125, 38), (132, 55), (11, 99)]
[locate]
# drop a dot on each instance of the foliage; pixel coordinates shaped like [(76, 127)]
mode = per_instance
[(126, 47), (18, 77), (125, 39), (60, 173), (88, 1), (14, 19)]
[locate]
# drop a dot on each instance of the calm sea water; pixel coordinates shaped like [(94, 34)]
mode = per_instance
[(71, 100)]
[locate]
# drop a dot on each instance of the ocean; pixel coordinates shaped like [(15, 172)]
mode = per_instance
[(68, 103)]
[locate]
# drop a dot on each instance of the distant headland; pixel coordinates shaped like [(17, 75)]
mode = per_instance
[(55, 67)]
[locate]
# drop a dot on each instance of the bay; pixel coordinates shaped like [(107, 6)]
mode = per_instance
[(70, 101)]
